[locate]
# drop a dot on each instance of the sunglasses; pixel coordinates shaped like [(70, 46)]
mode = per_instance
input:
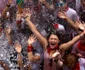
[(60, 4)]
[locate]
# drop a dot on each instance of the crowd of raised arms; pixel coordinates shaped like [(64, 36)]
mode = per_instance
[(42, 34)]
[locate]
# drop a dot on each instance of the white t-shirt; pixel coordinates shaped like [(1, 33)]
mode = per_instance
[(72, 14)]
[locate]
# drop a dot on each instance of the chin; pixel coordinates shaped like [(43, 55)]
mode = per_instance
[(53, 46)]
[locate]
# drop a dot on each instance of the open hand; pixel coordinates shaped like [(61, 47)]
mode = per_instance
[(31, 39), (62, 15), (81, 25), (10, 2), (26, 13)]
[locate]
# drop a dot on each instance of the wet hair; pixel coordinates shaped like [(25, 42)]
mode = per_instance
[(54, 33), (70, 60)]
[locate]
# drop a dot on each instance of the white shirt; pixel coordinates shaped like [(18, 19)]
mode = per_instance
[(72, 14)]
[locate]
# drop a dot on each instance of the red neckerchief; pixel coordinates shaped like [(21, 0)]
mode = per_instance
[(81, 46), (49, 49), (77, 67), (66, 9)]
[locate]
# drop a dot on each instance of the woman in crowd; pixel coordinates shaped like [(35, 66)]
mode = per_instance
[(52, 50)]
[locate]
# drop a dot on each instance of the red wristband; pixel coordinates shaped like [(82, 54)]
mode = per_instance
[(29, 48)]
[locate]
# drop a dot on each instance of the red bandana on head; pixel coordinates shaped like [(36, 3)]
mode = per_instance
[(56, 25), (49, 49), (81, 46)]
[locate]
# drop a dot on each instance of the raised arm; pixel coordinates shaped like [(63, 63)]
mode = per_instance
[(6, 9), (31, 56), (69, 44), (77, 26), (33, 28)]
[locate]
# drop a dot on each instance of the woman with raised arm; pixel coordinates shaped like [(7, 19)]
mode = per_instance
[(52, 55)]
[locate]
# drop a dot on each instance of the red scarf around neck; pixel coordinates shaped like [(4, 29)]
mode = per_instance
[(81, 46), (77, 67), (66, 9), (49, 49)]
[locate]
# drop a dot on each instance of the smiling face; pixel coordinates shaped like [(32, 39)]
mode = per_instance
[(53, 41)]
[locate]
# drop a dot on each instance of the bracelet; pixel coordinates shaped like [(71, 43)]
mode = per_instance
[(8, 5), (25, 17)]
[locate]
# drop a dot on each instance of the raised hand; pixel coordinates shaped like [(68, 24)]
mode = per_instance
[(9, 2), (31, 39), (80, 25), (26, 13), (42, 1), (62, 15), (18, 47)]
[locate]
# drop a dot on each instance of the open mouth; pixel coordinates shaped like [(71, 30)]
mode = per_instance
[(52, 43)]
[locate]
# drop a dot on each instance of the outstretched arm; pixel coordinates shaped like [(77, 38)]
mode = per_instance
[(31, 56), (6, 9), (69, 44), (78, 26), (33, 28)]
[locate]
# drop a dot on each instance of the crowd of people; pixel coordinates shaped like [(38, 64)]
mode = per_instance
[(42, 34)]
